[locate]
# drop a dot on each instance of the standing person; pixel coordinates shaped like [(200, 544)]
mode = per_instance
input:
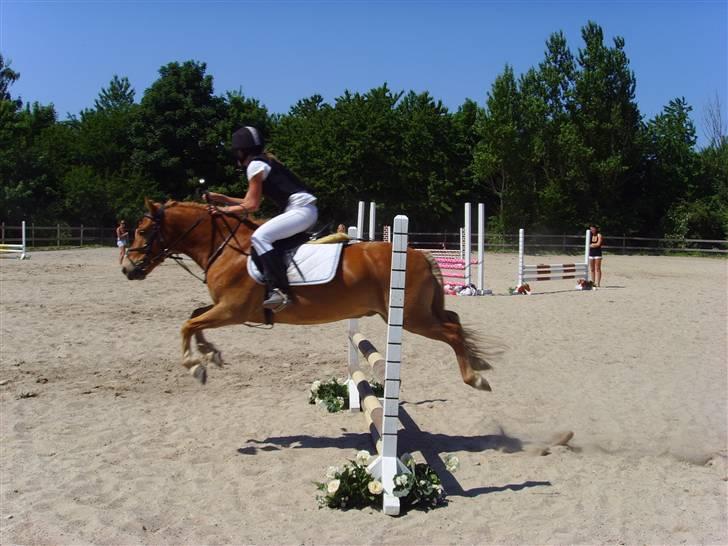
[(268, 177), (595, 255), (122, 239)]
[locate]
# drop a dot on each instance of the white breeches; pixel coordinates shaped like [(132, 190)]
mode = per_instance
[(294, 220)]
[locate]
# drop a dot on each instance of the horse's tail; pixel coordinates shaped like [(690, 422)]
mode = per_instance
[(476, 355), (434, 267)]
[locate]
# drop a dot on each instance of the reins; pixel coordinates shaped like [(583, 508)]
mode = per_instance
[(157, 217)]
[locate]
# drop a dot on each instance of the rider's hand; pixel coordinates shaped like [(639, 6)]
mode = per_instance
[(213, 210)]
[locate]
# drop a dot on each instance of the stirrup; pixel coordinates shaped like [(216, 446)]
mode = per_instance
[(277, 300)]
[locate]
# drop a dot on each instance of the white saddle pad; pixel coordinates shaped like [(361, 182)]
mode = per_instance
[(311, 264)]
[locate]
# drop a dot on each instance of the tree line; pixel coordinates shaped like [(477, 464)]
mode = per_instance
[(553, 149)]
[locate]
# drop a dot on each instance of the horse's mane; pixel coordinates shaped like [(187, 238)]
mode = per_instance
[(171, 203)]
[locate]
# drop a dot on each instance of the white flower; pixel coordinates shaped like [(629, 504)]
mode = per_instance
[(362, 458), (403, 484), (375, 487), (406, 458), (315, 387), (332, 472), (333, 486), (452, 463)]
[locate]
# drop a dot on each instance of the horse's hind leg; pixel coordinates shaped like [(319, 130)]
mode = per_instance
[(211, 316), (449, 330)]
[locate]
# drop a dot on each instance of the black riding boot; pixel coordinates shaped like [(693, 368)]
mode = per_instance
[(276, 279)]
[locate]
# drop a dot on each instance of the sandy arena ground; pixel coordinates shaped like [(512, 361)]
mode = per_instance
[(105, 439)]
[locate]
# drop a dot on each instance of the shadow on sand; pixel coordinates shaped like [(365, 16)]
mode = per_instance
[(430, 445)]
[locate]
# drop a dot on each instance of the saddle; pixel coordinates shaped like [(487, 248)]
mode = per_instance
[(307, 262)]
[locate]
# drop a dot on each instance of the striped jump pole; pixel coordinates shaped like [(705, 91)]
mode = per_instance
[(551, 272), (383, 418)]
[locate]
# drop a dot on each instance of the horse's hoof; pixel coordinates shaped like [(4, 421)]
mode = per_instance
[(216, 358), (481, 384), (199, 372)]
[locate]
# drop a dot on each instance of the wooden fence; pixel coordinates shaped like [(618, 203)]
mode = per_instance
[(58, 235), (62, 235), (573, 244)]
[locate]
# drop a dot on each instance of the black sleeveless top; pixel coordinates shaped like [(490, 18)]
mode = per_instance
[(595, 251), (280, 183)]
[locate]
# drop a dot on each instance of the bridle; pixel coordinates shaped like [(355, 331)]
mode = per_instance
[(148, 260)]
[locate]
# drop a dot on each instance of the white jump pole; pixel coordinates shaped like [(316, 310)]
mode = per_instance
[(520, 257), (387, 465), (468, 242), (372, 219), (481, 246), (360, 220), (354, 400), (587, 244)]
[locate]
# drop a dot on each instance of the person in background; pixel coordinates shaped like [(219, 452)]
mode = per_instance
[(122, 239), (341, 228), (595, 255)]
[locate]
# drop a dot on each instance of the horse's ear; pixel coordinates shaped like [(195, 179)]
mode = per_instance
[(151, 206)]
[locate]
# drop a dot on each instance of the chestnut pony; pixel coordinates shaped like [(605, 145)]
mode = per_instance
[(220, 245)]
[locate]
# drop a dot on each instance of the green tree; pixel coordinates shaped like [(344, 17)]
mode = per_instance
[(8, 77), (171, 133), (499, 155), (607, 123), (671, 160), (119, 95), (425, 162)]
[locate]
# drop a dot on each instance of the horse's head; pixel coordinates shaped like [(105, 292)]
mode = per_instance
[(149, 248)]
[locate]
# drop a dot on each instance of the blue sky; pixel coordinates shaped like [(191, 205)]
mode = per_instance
[(279, 52)]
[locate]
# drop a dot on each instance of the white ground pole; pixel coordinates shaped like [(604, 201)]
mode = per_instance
[(481, 246), (16, 249), (387, 465)]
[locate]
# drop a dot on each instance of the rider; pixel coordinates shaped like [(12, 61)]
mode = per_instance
[(270, 178)]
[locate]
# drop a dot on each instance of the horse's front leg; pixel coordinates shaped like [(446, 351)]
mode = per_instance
[(212, 316), (206, 348)]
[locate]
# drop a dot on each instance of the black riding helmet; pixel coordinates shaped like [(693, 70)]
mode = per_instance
[(247, 141)]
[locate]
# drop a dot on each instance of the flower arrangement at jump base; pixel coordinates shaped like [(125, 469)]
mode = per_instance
[(334, 394), (523, 289), (353, 487)]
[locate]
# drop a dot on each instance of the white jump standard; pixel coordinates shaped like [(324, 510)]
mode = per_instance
[(7, 249), (457, 264), (551, 272), (383, 420)]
